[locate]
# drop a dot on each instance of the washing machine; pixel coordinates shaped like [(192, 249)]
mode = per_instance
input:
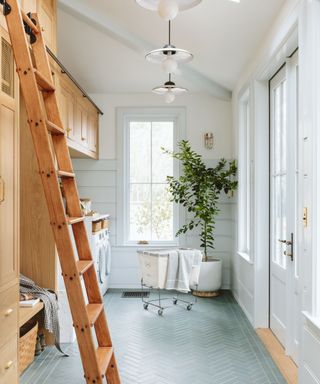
[(101, 251)]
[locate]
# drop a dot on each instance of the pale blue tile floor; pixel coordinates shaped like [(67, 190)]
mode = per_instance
[(212, 344)]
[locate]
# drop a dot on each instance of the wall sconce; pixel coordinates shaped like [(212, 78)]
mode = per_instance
[(208, 140)]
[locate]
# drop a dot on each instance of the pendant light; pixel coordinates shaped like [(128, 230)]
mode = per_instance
[(168, 9), (169, 90), (169, 56)]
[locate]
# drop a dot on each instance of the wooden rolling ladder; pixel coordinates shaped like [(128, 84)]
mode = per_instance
[(51, 149)]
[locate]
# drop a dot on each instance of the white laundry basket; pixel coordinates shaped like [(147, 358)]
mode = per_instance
[(153, 268)]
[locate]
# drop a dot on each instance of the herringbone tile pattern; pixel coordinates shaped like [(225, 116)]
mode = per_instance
[(212, 344)]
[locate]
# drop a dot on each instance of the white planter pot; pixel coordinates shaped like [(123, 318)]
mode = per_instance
[(210, 279)]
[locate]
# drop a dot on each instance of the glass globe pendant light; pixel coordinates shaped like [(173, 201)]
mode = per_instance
[(169, 90), (168, 9), (169, 56)]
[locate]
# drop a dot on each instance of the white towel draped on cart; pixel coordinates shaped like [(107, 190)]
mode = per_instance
[(183, 269)]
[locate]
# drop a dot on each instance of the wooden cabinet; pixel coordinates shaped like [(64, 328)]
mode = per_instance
[(67, 105), (92, 130), (9, 212), (80, 118), (47, 12)]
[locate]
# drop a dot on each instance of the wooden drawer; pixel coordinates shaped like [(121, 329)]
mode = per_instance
[(9, 362), (8, 313)]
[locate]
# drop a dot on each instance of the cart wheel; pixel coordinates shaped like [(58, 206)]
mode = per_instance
[(160, 312), (145, 306), (189, 307), (175, 301)]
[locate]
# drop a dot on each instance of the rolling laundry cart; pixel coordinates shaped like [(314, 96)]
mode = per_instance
[(154, 270)]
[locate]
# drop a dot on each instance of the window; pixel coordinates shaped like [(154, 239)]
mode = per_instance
[(244, 179), (148, 216)]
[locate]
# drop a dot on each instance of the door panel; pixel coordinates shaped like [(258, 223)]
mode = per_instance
[(285, 304), (278, 219)]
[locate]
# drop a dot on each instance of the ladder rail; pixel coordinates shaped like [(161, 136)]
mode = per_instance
[(64, 162), (97, 363)]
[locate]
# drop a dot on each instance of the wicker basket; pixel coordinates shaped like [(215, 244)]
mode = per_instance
[(105, 224), (27, 345), (96, 226)]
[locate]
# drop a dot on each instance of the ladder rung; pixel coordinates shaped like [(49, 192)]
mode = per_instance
[(54, 129), (94, 311), (29, 22), (66, 174), (104, 356), (83, 266), (43, 82), (75, 220)]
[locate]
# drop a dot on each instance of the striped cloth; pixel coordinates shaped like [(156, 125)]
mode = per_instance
[(49, 320)]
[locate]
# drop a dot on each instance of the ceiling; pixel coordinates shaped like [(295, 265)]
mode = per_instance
[(103, 43)]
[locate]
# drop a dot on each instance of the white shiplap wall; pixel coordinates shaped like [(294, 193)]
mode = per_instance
[(97, 180)]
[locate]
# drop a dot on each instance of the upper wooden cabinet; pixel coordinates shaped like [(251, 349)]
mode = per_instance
[(47, 12), (79, 116)]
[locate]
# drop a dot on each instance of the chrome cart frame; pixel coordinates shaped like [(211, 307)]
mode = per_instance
[(175, 299)]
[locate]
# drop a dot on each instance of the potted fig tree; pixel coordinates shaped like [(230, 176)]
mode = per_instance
[(198, 190)]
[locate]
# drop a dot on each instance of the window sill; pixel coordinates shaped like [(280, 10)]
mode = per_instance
[(147, 246), (314, 321), (245, 257)]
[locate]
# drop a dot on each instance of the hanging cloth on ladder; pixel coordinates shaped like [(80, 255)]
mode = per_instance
[(50, 319)]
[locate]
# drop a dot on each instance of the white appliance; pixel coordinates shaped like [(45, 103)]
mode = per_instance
[(101, 252)]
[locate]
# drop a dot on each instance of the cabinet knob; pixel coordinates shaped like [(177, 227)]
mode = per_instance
[(68, 130), (83, 138), (8, 365), (8, 312), (1, 190)]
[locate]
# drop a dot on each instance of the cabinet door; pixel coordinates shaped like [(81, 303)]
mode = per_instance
[(8, 167), (93, 130), (48, 19), (82, 121), (84, 127), (68, 111)]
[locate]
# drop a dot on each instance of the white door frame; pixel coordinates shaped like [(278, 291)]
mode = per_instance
[(259, 88)]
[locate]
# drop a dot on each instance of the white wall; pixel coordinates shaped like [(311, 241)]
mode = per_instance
[(97, 179), (250, 277), (297, 25)]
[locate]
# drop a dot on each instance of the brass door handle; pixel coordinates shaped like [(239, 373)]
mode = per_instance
[(1, 190)]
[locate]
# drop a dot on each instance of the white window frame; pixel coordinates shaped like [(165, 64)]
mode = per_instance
[(245, 203), (124, 117)]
